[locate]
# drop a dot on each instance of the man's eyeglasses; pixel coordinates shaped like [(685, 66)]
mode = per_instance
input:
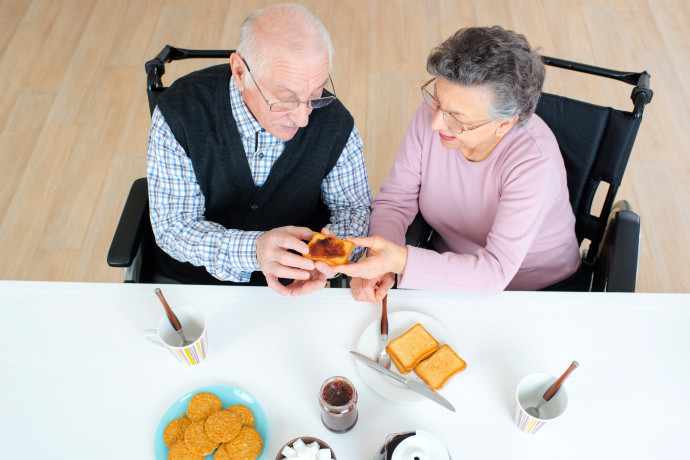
[(287, 106), (454, 125)]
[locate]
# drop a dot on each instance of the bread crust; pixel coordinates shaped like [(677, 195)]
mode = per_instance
[(410, 348), (438, 368), (333, 251)]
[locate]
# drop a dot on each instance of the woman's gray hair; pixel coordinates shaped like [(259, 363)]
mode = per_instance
[(289, 20), (493, 57)]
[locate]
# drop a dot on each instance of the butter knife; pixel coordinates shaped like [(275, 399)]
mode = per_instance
[(411, 384)]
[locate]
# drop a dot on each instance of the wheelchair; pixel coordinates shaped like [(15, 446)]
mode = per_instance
[(609, 262)]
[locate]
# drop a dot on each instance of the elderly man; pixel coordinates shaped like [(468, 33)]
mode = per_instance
[(245, 159)]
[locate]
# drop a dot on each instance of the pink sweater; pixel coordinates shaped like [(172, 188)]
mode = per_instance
[(502, 223)]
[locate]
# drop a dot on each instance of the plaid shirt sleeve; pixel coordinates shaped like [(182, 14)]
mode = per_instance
[(177, 213), (347, 194)]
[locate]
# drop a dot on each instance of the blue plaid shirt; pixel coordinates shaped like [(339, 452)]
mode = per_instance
[(177, 204)]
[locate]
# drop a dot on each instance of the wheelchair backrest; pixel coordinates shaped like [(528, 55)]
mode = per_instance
[(155, 68), (595, 142)]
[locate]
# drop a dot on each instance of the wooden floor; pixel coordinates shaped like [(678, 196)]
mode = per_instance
[(74, 116)]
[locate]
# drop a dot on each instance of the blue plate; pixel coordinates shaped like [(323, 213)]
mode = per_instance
[(229, 396)]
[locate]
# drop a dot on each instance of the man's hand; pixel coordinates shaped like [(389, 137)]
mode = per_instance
[(276, 262), (317, 280), (317, 277), (372, 290)]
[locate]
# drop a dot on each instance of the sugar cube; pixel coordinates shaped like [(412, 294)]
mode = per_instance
[(301, 451), (324, 454), (299, 445), (288, 452)]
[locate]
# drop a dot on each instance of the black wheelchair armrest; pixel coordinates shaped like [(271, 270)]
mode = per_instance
[(617, 260), (130, 229), (419, 233)]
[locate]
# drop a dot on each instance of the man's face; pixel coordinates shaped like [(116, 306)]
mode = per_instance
[(288, 78)]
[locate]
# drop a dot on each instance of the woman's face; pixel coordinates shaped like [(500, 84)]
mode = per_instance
[(469, 105)]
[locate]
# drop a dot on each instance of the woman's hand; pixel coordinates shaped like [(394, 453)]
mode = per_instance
[(374, 290), (384, 257)]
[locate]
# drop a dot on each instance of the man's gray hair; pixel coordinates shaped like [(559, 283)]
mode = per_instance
[(496, 58), (297, 30)]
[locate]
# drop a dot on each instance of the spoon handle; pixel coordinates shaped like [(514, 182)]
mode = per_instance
[(548, 394), (384, 315), (171, 315)]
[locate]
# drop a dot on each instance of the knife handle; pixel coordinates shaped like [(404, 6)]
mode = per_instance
[(384, 315)]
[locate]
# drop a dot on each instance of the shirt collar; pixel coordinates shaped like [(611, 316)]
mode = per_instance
[(246, 123)]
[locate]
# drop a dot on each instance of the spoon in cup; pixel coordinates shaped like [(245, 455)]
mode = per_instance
[(173, 318), (548, 394)]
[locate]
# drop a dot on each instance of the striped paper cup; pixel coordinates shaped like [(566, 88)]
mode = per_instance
[(528, 394), (194, 328)]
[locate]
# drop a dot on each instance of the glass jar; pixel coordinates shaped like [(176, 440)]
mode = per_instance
[(338, 401)]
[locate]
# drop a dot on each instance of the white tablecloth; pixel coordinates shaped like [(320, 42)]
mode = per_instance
[(78, 380)]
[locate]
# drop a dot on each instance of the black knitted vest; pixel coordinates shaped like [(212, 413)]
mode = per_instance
[(197, 109)]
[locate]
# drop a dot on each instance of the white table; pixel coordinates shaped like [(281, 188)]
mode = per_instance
[(78, 380)]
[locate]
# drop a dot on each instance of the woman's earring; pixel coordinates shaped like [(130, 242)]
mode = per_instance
[(500, 133)]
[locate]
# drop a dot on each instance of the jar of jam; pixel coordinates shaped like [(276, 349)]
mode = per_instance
[(338, 401)]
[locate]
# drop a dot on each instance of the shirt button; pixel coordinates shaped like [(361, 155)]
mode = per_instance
[(254, 207), (261, 156)]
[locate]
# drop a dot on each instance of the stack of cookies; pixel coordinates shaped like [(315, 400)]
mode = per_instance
[(207, 428)]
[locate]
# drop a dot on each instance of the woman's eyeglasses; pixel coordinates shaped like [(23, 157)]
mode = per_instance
[(454, 125)]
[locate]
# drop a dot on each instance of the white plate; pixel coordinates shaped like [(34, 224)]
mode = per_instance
[(399, 322)]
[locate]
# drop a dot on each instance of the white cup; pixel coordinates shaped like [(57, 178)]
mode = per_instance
[(528, 394), (194, 328)]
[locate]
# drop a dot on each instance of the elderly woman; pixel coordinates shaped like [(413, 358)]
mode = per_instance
[(486, 174)]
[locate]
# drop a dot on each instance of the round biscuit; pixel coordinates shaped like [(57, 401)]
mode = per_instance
[(244, 413), (180, 451), (245, 446), (197, 441), (221, 453), (222, 426), (174, 432), (202, 405)]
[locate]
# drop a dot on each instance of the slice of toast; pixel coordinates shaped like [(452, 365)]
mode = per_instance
[(410, 348), (438, 368), (331, 250)]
